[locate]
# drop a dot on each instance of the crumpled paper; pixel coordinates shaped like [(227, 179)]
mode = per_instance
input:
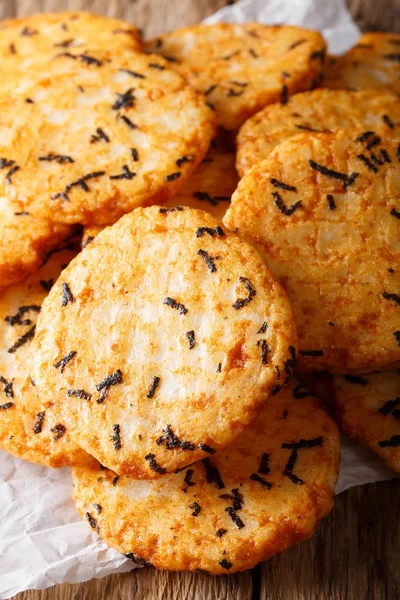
[(42, 539)]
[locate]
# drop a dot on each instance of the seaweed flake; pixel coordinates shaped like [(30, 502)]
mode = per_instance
[(154, 464), (62, 363), (171, 209), (188, 480), (37, 428), (156, 66), (134, 154), (350, 180), (65, 43), (395, 213), (183, 160), (154, 385), (235, 497), (128, 122), (212, 474), (393, 297), (27, 337), (170, 59), (28, 31), (241, 302), (66, 295), (59, 158), (210, 90), (206, 448), (297, 43), (394, 56), (331, 202), (375, 141), (81, 183), (5, 163), (263, 467), (281, 206), (196, 508), (261, 480), (263, 328), (133, 73), (231, 55), (234, 93), (200, 231), (282, 185), (312, 352), (11, 172), (264, 351), (284, 98), (85, 58), (126, 174), (173, 176), (103, 387), (6, 406), (275, 390), (219, 367), (307, 128), (97, 508), (191, 336), (364, 159), (124, 100), (394, 442), (253, 53), (225, 564), (79, 394), (99, 135), (389, 406), (208, 259), (115, 481), (388, 121), (116, 437), (58, 430), (364, 136), (397, 336), (29, 101), (235, 517), (8, 387), (92, 521), (318, 54), (171, 440), (22, 310), (221, 532), (181, 308), (325, 171), (47, 285)]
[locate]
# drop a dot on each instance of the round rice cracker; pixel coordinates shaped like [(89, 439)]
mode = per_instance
[(100, 136), (257, 497), (317, 110), (27, 429), (180, 335), (24, 242), (325, 215), (372, 63), (24, 38), (368, 410), (242, 68)]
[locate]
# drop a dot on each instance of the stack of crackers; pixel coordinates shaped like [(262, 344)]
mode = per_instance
[(154, 308)]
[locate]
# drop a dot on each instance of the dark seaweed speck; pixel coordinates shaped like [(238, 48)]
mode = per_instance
[(79, 394), (133, 74), (192, 339), (27, 337), (206, 448), (394, 297), (58, 430), (124, 100), (282, 185), (394, 442), (7, 387), (174, 304), (22, 310), (266, 484), (196, 508), (6, 406), (59, 158), (154, 464), (126, 174), (221, 532), (331, 202), (235, 517), (172, 441), (99, 135), (208, 259), (241, 302), (116, 437), (37, 428), (173, 176), (200, 231), (62, 363), (388, 121), (154, 385), (225, 564), (66, 296), (264, 351), (212, 474), (263, 328), (91, 520), (328, 172)]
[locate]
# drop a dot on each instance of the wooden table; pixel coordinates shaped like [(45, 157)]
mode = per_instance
[(355, 554)]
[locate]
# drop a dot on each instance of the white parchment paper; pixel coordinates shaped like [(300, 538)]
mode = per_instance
[(42, 539)]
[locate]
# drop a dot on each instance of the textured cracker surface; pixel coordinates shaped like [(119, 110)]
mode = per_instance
[(268, 510), (24, 242), (368, 410), (373, 63), (145, 304), (317, 110), (99, 138), (242, 68), (19, 405), (339, 266)]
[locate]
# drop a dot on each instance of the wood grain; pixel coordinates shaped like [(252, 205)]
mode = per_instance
[(355, 554)]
